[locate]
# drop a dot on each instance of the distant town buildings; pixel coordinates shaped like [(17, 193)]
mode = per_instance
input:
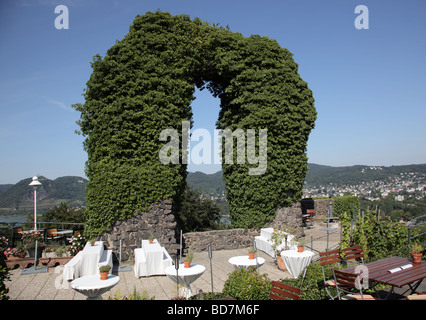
[(403, 186)]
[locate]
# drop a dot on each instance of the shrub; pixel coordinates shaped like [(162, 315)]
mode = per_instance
[(312, 286), (4, 275), (348, 204), (380, 238), (247, 284)]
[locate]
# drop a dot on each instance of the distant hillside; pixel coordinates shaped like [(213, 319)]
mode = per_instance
[(317, 175), (352, 175), (207, 183), (18, 199)]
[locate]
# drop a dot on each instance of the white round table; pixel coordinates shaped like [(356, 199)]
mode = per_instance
[(245, 262), (186, 276), (93, 287), (296, 261)]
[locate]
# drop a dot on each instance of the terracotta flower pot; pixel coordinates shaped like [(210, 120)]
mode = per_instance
[(299, 249), (417, 257), (281, 264), (92, 243), (150, 241), (251, 255), (104, 275), (187, 264)]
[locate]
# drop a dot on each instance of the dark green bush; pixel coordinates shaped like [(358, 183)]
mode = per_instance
[(4, 275), (312, 286), (247, 284)]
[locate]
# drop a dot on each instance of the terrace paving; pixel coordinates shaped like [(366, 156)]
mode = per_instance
[(50, 285)]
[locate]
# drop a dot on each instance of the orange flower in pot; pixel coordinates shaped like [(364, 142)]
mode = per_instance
[(416, 252), (104, 271), (188, 259)]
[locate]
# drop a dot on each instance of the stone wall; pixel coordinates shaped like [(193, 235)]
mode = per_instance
[(219, 239), (158, 221), (322, 207), (289, 216)]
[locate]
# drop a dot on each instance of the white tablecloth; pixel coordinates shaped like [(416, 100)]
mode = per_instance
[(264, 242), (90, 256), (154, 257), (73, 267), (296, 261), (245, 262), (92, 286), (266, 233), (186, 276)]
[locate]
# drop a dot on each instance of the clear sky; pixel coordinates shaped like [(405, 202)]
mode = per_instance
[(369, 85)]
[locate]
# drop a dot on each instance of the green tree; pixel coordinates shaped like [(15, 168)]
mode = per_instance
[(65, 213), (197, 213)]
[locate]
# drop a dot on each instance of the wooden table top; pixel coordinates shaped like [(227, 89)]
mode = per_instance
[(379, 271)]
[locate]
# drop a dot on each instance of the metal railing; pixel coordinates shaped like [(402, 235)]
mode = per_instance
[(328, 231), (40, 225), (415, 223)]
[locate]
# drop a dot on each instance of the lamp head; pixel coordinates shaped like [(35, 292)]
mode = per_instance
[(35, 183)]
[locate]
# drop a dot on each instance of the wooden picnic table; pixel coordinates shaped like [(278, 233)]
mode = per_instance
[(380, 272)]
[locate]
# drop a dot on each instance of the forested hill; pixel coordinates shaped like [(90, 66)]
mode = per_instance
[(318, 175), (324, 175), (20, 196)]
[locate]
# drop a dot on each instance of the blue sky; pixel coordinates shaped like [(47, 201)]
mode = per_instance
[(369, 85)]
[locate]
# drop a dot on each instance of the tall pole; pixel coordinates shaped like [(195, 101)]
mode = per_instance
[(35, 184), (211, 269), (35, 209)]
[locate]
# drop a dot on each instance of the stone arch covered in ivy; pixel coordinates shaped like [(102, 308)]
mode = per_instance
[(145, 84)]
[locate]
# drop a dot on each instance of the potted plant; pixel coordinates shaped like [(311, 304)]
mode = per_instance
[(49, 252), (151, 239), (300, 244), (29, 239), (188, 259), (14, 253), (104, 271), (277, 239), (77, 244), (3, 241), (251, 253), (416, 252)]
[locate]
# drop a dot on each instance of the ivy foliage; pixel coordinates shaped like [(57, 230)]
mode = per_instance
[(146, 83), (347, 204)]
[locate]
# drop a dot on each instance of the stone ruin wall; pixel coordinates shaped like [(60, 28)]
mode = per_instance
[(160, 222)]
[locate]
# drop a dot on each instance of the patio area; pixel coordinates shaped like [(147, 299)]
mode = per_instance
[(50, 285)]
